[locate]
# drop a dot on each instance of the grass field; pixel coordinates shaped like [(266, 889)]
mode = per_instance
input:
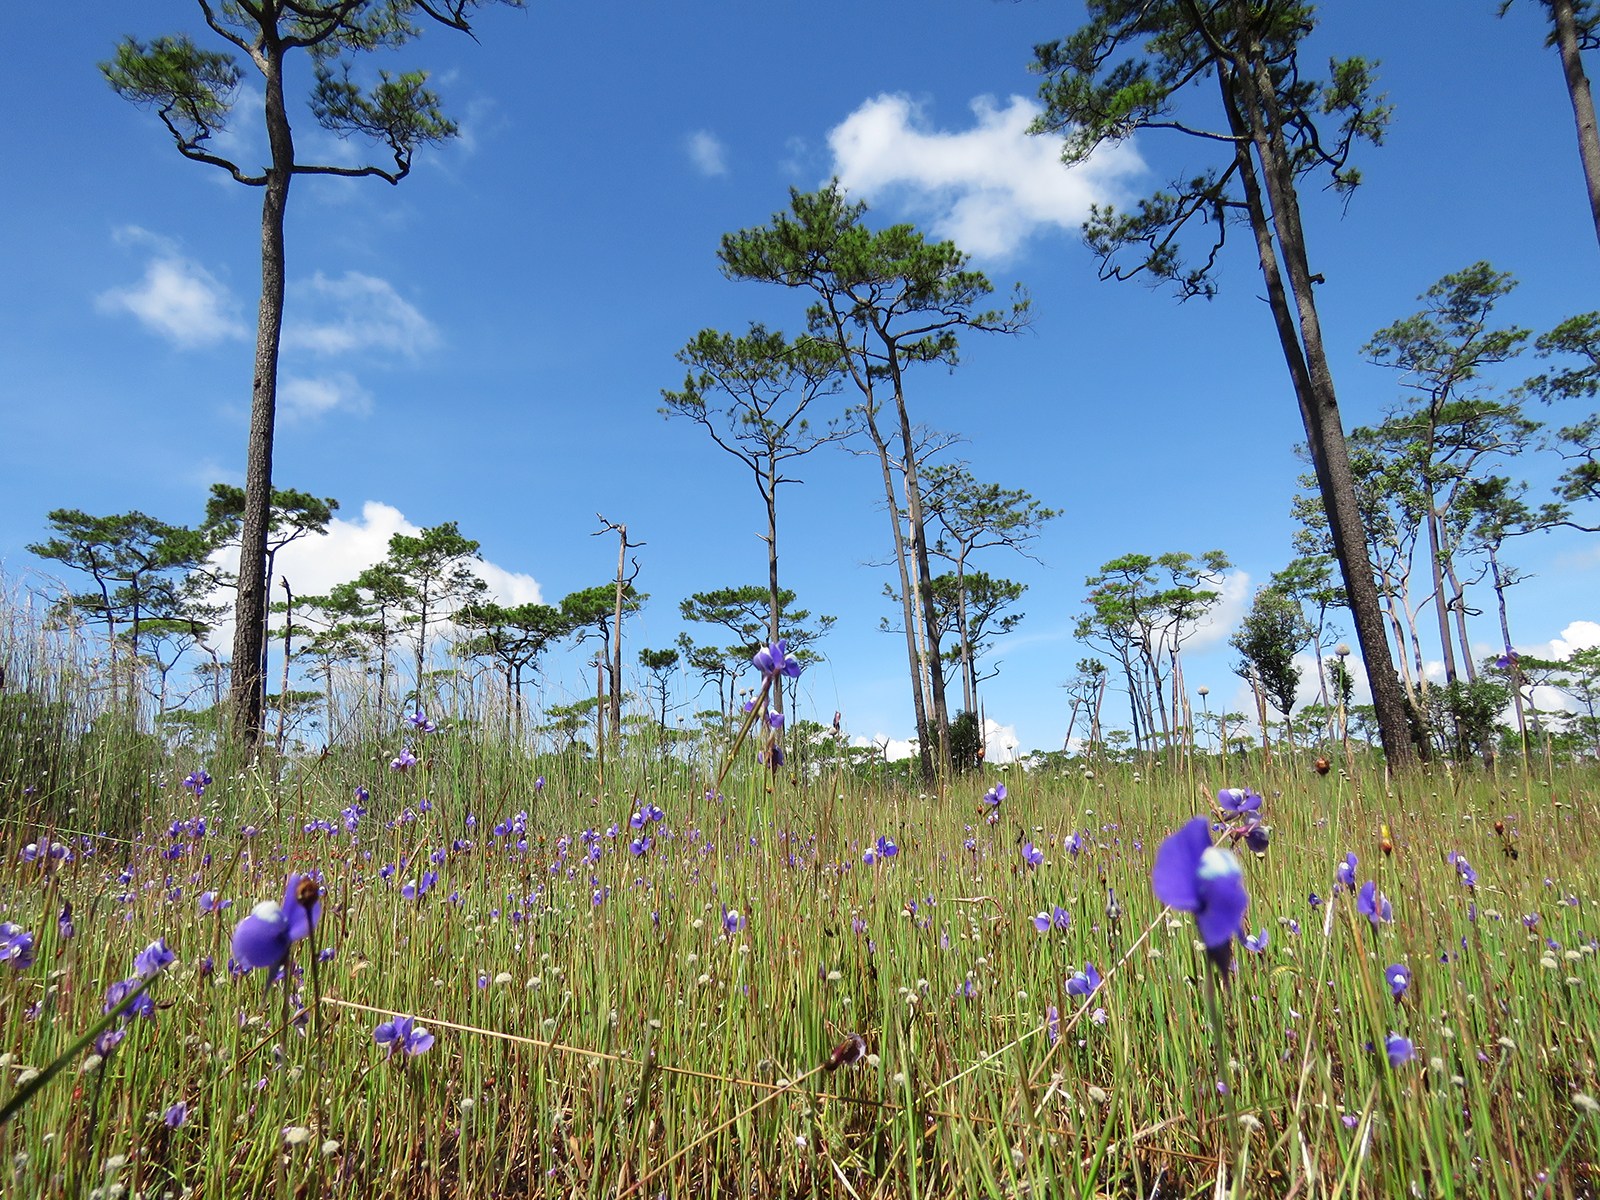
[(605, 1019), (614, 1018)]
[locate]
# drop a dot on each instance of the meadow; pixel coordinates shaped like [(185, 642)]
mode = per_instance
[(650, 985)]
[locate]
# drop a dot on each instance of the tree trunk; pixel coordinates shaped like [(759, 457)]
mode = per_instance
[(1582, 101), (615, 666), (1308, 367), (250, 612), (1441, 603), (775, 603), (909, 617)]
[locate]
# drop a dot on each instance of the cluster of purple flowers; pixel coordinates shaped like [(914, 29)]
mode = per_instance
[(53, 852), (1241, 809), (16, 946)]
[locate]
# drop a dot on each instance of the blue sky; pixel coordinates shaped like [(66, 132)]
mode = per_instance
[(486, 343)]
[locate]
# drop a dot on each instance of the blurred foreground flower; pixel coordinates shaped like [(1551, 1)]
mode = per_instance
[(263, 938), (1193, 875)]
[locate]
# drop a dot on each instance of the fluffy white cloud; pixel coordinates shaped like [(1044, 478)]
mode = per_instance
[(707, 152), (358, 312), (999, 742), (1579, 635), (1213, 629), (892, 749), (177, 298), (987, 188), (307, 398), (313, 565)]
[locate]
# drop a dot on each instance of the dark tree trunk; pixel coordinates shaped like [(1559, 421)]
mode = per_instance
[(908, 615), (1582, 101), (250, 613), (1256, 116)]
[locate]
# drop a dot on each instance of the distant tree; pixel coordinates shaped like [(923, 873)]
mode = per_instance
[(1439, 440), (1577, 337), (1574, 28), (192, 90), (1130, 67), (1269, 637), (980, 601), (436, 577), (972, 516), (591, 615), (885, 300), (1141, 610), (513, 638), (291, 515), (139, 565), (752, 394), (661, 664), (1308, 579)]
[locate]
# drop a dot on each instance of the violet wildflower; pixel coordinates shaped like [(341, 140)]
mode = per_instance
[(994, 795), (1258, 838), (1072, 843), (198, 781), (1032, 855), (405, 760), (1345, 875), (210, 904), (640, 846), (538, 784), (1531, 920), (64, 924), (1399, 1049), (1257, 942), (775, 720), (1373, 906), (403, 1034), (1315, 901), (16, 946), (419, 721), (176, 1115), (153, 959), (774, 660), (1398, 978), (1084, 983), (1052, 1024), (263, 938), (1238, 802), (1192, 875), (109, 1041), (886, 848), (732, 921), (141, 1006)]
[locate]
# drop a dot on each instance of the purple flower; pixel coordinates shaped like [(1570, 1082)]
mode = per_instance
[(772, 756), (1315, 901), (64, 922), (774, 660), (994, 795), (210, 904), (263, 938), (1400, 1049), (538, 784), (1257, 942), (1072, 843), (1052, 1024), (886, 848), (1259, 837), (403, 1034), (109, 1041), (1084, 983), (16, 946), (1463, 868), (176, 1115), (1238, 801), (640, 846), (405, 760), (141, 1006), (732, 922), (1192, 875), (1531, 920), (197, 781), (153, 958), (775, 720), (1373, 906), (1032, 855), (419, 721), (1345, 875), (1399, 979)]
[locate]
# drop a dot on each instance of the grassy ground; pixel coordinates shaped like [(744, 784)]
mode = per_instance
[(616, 1023)]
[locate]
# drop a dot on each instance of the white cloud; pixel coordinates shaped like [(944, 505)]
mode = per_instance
[(707, 152), (358, 312), (313, 565), (177, 298), (999, 742), (1579, 635), (1217, 624), (304, 399), (890, 748), (987, 188)]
